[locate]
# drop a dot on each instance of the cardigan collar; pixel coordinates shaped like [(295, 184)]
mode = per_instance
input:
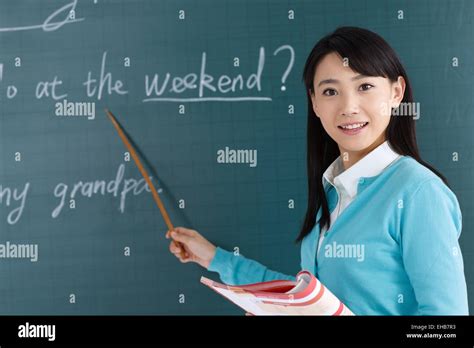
[(372, 164)]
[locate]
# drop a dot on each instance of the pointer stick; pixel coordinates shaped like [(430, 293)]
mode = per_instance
[(143, 172)]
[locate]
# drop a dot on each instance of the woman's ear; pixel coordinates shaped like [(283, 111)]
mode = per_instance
[(398, 91)]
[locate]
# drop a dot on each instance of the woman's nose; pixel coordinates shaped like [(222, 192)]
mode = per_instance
[(350, 106)]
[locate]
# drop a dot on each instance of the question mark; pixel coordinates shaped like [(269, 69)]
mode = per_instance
[(290, 65)]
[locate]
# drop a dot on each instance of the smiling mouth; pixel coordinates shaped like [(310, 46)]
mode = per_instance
[(355, 126)]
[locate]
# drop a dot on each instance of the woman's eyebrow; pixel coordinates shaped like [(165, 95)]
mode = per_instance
[(327, 81)]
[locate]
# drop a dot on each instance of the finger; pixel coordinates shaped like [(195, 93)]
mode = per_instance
[(180, 237), (175, 248), (179, 245), (185, 254), (185, 231), (184, 259), (168, 234), (176, 252), (179, 256), (181, 253)]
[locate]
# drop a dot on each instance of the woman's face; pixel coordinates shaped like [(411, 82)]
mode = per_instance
[(343, 96)]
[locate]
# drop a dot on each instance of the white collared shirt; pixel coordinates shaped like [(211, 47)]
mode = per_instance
[(346, 181)]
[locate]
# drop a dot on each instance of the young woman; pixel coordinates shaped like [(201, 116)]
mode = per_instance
[(385, 236)]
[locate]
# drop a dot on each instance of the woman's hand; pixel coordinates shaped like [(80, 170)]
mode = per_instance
[(196, 248)]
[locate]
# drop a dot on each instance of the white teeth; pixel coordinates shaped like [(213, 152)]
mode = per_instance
[(353, 126)]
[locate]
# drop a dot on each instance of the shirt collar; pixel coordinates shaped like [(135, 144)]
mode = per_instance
[(371, 164)]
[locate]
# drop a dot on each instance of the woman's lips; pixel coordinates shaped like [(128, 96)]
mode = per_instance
[(353, 131)]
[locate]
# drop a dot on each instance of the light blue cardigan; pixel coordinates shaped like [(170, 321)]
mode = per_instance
[(407, 222)]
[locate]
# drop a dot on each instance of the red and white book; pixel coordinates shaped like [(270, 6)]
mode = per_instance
[(304, 296)]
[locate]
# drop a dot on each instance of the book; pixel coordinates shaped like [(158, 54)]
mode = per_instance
[(304, 296)]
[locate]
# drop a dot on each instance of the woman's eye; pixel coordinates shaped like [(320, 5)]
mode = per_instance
[(365, 85), (329, 90)]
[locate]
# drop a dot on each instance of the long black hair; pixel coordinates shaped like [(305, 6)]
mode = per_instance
[(368, 54)]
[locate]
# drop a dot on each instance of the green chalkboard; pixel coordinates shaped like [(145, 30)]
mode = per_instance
[(187, 80)]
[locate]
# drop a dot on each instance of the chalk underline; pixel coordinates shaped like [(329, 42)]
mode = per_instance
[(228, 99), (39, 26)]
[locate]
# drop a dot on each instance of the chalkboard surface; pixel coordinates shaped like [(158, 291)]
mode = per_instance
[(193, 83)]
